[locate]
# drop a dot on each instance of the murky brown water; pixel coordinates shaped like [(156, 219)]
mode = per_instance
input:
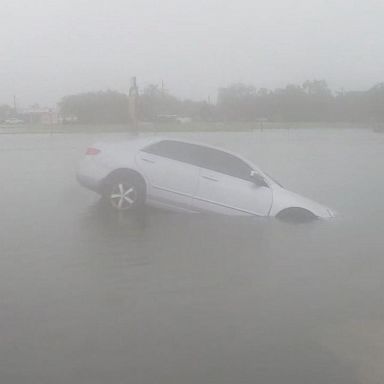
[(88, 296)]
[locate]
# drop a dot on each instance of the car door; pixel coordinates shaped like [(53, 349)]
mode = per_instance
[(172, 178), (226, 186)]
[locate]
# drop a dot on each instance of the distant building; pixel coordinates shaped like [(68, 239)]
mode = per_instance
[(37, 115), (173, 119)]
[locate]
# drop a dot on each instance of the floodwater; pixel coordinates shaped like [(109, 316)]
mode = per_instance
[(89, 296)]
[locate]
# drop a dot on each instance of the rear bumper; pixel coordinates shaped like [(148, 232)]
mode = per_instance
[(91, 172), (88, 182)]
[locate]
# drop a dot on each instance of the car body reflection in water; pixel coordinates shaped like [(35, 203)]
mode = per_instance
[(244, 290)]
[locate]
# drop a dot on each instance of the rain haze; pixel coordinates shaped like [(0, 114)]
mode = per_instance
[(191, 192), (53, 48)]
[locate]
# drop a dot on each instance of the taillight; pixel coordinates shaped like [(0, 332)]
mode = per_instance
[(92, 151)]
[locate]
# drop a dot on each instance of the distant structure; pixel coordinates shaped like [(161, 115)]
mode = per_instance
[(133, 103), (173, 119), (38, 115)]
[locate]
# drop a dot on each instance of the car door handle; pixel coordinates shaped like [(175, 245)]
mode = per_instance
[(210, 178), (148, 160)]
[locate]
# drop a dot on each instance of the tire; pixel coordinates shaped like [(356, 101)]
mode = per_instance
[(124, 192)]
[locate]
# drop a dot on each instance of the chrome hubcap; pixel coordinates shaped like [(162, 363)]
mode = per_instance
[(123, 196)]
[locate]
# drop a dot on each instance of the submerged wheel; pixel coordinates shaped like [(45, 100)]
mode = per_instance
[(296, 215), (125, 193)]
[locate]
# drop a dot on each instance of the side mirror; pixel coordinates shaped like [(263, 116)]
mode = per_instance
[(258, 180)]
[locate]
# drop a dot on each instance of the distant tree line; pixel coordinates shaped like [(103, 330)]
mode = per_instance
[(112, 107), (96, 107), (312, 101), (6, 111)]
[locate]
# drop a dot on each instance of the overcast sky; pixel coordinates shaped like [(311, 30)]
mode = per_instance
[(50, 48)]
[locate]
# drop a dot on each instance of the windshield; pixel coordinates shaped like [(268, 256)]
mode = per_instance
[(273, 179)]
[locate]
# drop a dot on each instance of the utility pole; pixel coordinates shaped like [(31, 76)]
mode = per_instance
[(14, 104), (133, 102)]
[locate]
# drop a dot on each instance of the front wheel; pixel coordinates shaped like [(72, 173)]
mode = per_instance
[(125, 194), (296, 215)]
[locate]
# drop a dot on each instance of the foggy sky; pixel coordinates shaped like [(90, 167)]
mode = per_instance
[(52, 48)]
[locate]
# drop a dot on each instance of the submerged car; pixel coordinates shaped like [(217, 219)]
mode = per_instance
[(190, 177)]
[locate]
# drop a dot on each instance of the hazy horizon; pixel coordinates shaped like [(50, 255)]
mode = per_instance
[(51, 49)]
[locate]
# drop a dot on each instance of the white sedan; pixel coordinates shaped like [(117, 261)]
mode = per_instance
[(190, 177)]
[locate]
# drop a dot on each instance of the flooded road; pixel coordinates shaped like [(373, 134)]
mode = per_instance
[(90, 296)]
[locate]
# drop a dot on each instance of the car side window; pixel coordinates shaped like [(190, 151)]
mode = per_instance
[(200, 156), (174, 150), (225, 163)]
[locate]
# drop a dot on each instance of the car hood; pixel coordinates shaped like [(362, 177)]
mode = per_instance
[(283, 199)]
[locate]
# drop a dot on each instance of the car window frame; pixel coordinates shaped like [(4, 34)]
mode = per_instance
[(147, 148), (246, 175), (197, 162)]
